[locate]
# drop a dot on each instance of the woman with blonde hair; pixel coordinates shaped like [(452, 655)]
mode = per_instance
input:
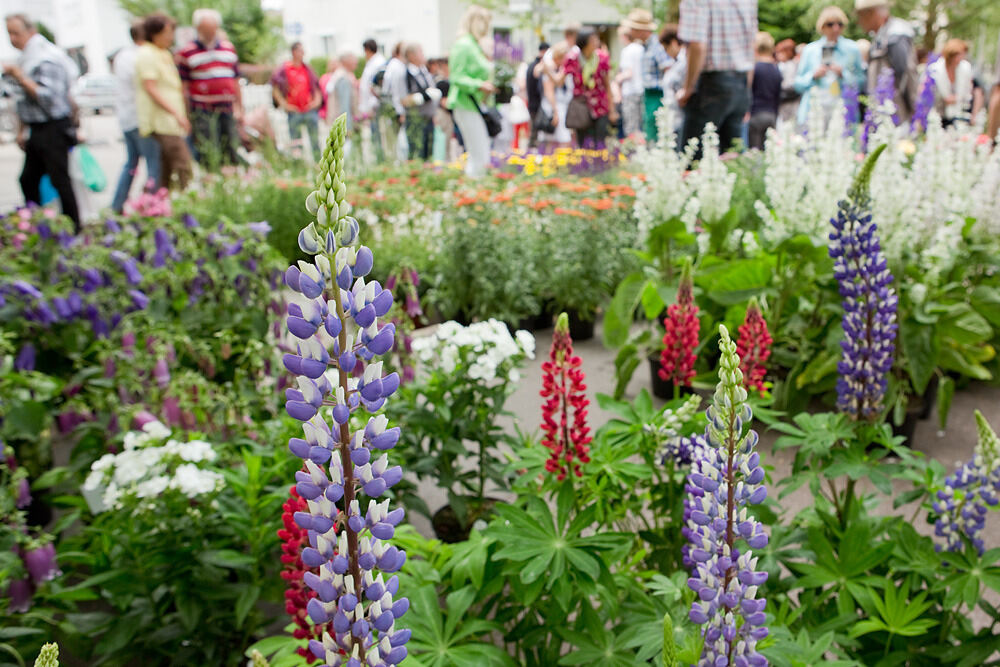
[(470, 74), (828, 66), (952, 75)]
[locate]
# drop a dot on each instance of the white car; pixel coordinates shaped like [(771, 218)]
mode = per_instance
[(95, 92)]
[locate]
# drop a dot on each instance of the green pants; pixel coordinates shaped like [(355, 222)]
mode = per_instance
[(652, 100)]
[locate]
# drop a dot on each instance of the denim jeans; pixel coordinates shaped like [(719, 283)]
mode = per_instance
[(136, 146), (310, 119), (720, 98)]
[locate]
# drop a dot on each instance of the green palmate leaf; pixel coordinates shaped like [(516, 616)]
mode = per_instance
[(227, 558)]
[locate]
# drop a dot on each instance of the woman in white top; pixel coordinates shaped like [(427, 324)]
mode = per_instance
[(952, 75), (630, 79), (557, 91)]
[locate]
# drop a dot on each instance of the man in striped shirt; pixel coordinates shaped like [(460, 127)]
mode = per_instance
[(209, 69)]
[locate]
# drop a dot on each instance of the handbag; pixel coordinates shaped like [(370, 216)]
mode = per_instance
[(492, 117), (578, 114), (545, 123)]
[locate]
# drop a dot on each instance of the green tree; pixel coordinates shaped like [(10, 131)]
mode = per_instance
[(255, 34)]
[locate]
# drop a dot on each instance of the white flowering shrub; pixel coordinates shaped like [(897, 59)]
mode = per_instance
[(664, 192), (711, 185), (924, 190), (150, 465), (485, 351)]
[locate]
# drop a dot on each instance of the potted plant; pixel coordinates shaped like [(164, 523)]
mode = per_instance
[(507, 58), (451, 411)]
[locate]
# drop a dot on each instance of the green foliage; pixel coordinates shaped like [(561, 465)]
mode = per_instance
[(254, 33)]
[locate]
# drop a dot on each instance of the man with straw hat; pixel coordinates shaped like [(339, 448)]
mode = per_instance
[(891, 48), (655, 61)]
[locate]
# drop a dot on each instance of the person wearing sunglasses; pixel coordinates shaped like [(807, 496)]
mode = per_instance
[(828, 66)]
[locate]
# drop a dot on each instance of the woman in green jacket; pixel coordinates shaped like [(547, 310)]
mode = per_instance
[(470, 73)]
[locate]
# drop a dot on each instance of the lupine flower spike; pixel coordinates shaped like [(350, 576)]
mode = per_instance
[(869, 302), (961, 504), (564, 390), (723, 483), (754, 348), (348, 547), (297, 595), (681, 335)]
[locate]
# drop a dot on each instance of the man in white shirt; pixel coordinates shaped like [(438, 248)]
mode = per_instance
[(136, 146), (368, 100)]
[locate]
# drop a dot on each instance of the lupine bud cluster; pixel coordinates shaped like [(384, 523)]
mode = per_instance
[(723, 483), (681, 336), (667, 429), (869, 303), (48, 656), (564, 390), (961, 504), (348, 543), (754, 348)]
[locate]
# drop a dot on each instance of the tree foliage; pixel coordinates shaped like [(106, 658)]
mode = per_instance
[(255, 34)]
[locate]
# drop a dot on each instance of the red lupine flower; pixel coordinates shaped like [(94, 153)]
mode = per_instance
[(297, 595), (754, 348), (564, 390), (681, 335)]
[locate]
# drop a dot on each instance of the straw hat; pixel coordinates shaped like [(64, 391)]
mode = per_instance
[(640, 19), (869, 4)]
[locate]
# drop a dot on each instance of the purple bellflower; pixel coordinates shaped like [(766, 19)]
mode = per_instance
[(869, 302), (961, 505), (334, 386), (722, 484)]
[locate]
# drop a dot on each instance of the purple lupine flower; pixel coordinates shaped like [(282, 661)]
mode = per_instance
[(961, 504), (724, 482), (925, 100), (852, 107), (189, 221), (25, 360), (869, 302), (351, 594), (885, 93)]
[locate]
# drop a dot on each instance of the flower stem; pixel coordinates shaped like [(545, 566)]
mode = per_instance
[(348, 465)]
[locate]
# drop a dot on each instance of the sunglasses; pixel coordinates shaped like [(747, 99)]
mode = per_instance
[(830, 24)]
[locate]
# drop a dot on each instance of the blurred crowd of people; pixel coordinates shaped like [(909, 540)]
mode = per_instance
[(177, 104)]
